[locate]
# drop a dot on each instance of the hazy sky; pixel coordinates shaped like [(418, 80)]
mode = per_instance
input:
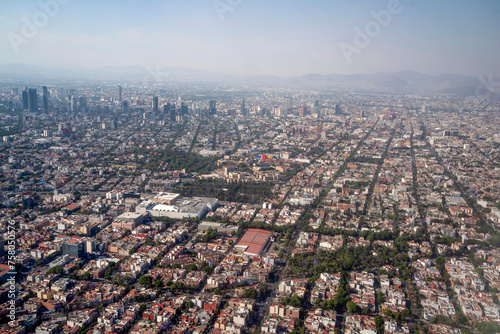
[(252, 37)]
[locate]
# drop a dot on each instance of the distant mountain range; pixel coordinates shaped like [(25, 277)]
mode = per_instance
[(400, 82)]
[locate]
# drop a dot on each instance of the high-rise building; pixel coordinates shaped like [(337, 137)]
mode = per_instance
[(277, 111), (184, 109), (387, 115), (73, 248), (173, 114), (213, 107), (90, 246), (26, 103), (287, 106), (119, 93), (315, 108), (243, 108), (425, 112), (155, 104), (74, 104), (32, 100), (45, 99), (338, 110), (166, 108), (83, 104), (125, 106), (169, 111), (304, 111), (362, 114)]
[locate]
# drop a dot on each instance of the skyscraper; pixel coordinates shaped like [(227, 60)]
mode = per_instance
[(315, 108), (74, 104), (32, 100), (26, 103), (304, 111), (243, 109), (155, 104), (83, 104), (338, 110), (287, 106), (45, 99), (277, 111), (213, 107), (169, 110), (125, 106), (166, 108), (173, 116), (119, 93), (184, 109)]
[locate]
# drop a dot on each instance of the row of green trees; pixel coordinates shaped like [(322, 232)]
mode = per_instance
[(244, 192), (350, 259), (208, 236), (177, 160)]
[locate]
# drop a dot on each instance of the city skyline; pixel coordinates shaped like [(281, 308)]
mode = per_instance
[(250, 166), (256, 38)]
